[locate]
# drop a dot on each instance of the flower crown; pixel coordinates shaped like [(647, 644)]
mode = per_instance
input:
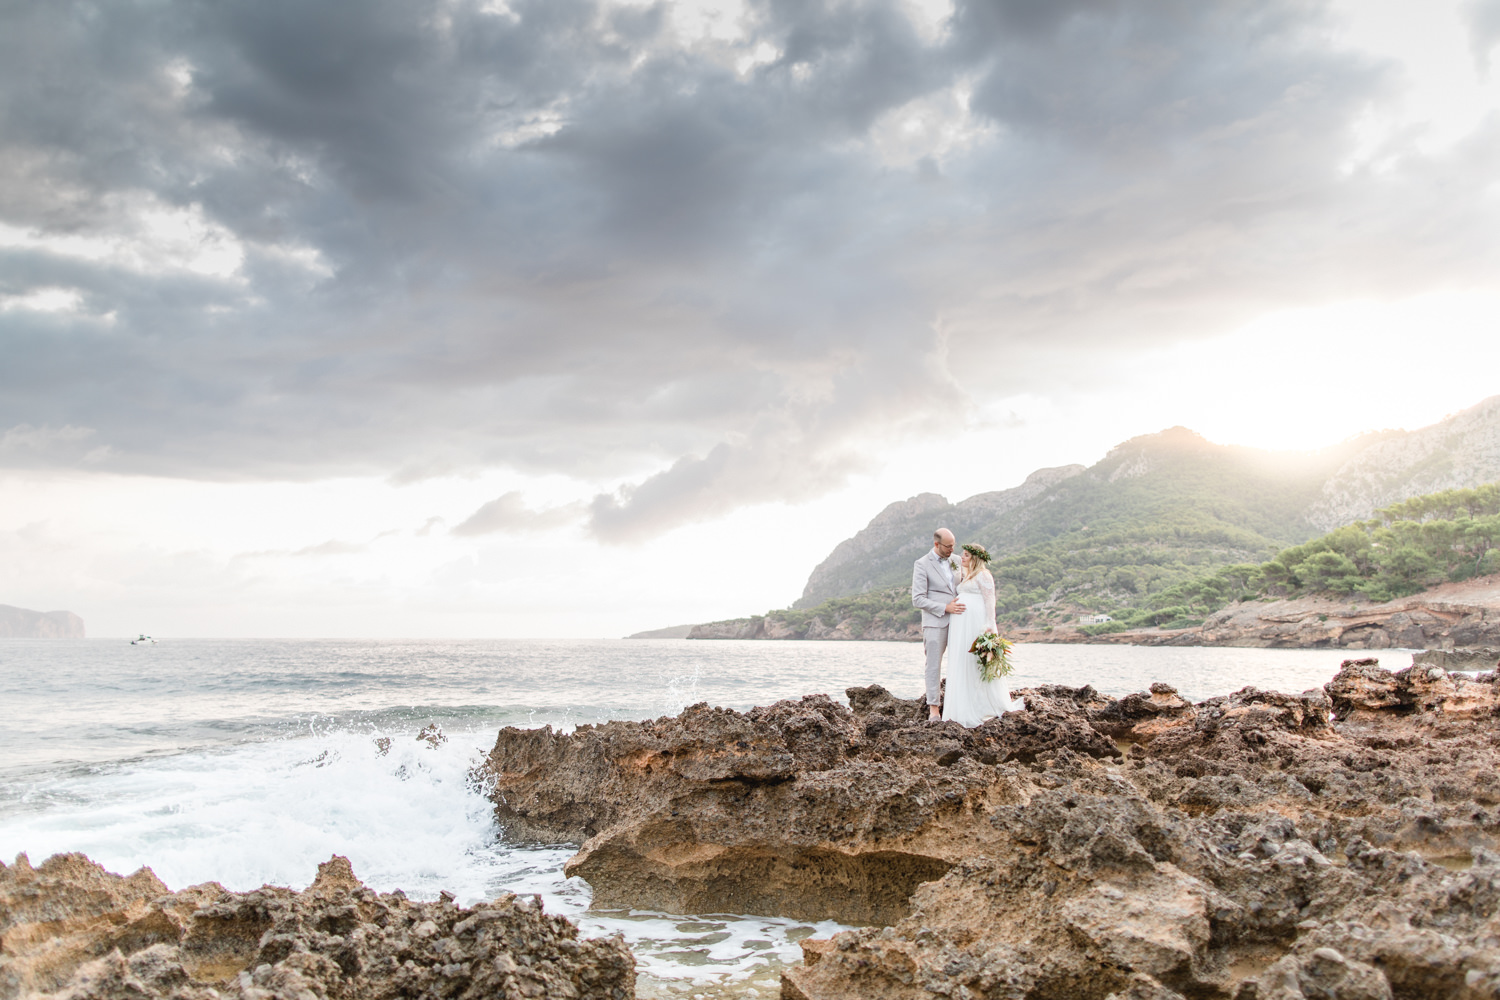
[(977, 551)]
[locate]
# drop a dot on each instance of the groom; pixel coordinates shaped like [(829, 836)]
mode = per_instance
[(934, 589)]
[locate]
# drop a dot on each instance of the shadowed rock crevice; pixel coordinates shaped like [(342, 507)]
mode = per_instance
[(868, 887)]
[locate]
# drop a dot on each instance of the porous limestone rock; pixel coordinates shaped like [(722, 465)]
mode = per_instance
[(69, 930), (1337, 843), (1103, 892), (803, 808)]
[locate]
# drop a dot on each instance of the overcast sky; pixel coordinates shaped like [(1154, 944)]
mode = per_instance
[(555, 317)]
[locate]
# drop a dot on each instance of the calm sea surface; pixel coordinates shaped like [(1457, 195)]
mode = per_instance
[(250, 761)]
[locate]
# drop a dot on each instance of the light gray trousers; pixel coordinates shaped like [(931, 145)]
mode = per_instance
[(934, 641)]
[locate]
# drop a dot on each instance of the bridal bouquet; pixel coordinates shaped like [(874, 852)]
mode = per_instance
[(993, 651)]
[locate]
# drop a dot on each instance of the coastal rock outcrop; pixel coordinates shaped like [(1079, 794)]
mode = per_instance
[(1469, 616), (1363, 692), (804, 808), (1103, 894), (1335, 843), (1459, 619), (69, 930)]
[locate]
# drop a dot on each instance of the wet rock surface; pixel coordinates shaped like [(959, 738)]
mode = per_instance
[(69, 930), (1338, 843)]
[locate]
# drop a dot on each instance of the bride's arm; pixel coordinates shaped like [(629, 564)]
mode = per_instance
[(987, 588)]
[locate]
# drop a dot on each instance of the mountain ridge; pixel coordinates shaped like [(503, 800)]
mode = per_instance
[(1157, 510), (1449, 454), (895, 522)]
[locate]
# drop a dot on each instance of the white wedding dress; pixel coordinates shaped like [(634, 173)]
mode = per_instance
[(969, 700)]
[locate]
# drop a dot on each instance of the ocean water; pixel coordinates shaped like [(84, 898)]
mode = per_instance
[(248, 762)]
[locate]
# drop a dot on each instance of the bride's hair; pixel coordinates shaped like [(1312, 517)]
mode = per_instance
[(975, 568)]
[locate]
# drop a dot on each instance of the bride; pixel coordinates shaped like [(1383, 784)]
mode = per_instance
[(969, 700)]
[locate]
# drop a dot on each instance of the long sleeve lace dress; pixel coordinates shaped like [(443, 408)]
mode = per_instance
[(969, 700)]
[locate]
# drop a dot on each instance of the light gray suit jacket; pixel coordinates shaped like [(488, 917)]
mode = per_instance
[(931, 589)]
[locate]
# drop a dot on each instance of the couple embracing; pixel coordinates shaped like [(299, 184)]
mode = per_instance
[(957, 600)]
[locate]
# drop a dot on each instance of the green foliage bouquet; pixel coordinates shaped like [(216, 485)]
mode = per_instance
[(993, 651)]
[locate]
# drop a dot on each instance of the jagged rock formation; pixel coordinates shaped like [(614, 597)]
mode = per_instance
[(1252, 846), (20, 623), (72, 931), (801, 809)]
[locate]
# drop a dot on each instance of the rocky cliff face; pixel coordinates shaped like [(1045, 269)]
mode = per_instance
[(1461, 451), (19, 623), (1426, 620), (1337, 843), (72, 931)]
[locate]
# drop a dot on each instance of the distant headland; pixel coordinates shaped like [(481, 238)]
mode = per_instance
[(673, 632), (22, 623)]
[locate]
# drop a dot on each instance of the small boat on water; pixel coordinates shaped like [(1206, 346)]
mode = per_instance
[(143, 640)]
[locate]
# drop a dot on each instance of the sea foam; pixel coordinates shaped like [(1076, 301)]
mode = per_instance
[(405, 812)]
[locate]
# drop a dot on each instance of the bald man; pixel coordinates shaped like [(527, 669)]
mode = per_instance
[(934, 589)]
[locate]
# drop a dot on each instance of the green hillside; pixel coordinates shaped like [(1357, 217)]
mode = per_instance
[(1168, 526), (880, 555), (1175, 478), (1158, 511), (1404, 549)]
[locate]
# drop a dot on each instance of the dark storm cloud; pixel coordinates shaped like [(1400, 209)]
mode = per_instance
[(548, 235)]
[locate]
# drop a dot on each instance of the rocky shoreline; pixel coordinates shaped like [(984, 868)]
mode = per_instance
[(1452, 616), (69, 930), (1338, 844), (1335, 843)]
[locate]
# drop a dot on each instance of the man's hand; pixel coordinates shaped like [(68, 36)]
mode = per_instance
[(955, 607)]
